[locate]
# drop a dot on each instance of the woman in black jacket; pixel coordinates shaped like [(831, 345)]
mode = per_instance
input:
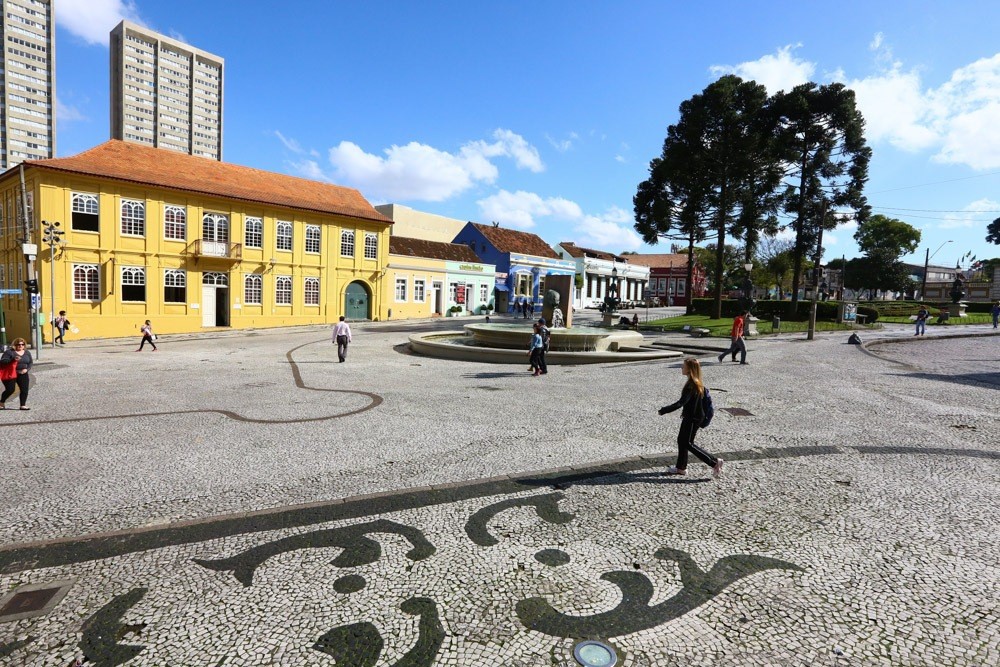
[(14, 366), (691, 418)]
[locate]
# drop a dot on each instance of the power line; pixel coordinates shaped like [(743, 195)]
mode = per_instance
[(923, 185), (930, 210)]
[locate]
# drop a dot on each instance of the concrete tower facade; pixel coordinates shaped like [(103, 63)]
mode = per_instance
[(165, 93), (27, 118)]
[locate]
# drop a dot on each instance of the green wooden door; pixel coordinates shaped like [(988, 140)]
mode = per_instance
[(358, 305)]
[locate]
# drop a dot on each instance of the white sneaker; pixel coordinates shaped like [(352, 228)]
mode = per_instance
[(717, 468), (673, 470)]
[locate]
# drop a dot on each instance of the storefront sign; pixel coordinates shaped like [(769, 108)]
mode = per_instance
[(470, 267)]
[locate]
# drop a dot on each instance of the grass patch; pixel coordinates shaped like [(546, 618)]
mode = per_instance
[(970, 318), (722, 327)]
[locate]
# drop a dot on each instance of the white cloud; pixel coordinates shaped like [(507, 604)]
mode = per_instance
[(67, 113), (611, 230), (777, 71), (93, 20), (417, 171), (562, 145), (620, 158), (972, 216)]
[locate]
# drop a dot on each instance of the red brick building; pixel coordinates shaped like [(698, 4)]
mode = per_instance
[(668, 277)]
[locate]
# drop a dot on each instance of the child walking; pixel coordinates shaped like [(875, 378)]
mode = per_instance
[(691, 418)]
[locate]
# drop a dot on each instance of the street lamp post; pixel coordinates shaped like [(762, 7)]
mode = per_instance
[(927, 261), (52, 235)]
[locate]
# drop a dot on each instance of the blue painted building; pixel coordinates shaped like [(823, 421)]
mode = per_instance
[(522, 260)]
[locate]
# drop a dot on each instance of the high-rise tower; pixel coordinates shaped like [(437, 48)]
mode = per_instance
[(165, 93), (28, 74)]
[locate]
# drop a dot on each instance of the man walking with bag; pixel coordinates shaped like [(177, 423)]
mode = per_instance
[(341, 336), (739, 342)]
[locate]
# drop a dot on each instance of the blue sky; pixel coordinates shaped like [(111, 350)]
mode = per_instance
[(544, 115)]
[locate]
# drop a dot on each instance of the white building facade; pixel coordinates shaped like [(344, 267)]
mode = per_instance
[(599, 270)]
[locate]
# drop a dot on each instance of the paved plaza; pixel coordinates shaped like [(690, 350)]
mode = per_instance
[(243, 499)]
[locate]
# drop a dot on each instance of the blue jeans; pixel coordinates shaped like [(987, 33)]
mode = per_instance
[(921, 327)]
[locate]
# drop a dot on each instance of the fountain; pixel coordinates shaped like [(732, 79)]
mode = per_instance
[(508, 343)]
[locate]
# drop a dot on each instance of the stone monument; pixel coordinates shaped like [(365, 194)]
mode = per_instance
[(957, 307), (558, 299)]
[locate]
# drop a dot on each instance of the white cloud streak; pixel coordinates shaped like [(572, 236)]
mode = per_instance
[(93, 20), (777, 71), (527, 210), (972, 215), (418, 172)]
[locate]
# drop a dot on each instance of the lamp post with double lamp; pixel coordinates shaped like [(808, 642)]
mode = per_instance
[(927, 260), (52, 235)]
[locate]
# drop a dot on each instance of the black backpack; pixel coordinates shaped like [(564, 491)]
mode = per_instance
[(707, 409), (546, 335)]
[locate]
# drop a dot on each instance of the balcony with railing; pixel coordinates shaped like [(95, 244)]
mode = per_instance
[(217, 249)]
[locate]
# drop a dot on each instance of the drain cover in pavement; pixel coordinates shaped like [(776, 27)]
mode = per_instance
[(32, 600), (738, 412)]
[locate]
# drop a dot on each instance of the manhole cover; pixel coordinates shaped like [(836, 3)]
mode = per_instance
[(738, 412), (32, 600)]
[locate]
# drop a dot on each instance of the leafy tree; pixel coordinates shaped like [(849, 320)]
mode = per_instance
[(984, 268), (993, 232), (881, 234), (775, 258), (821, 133), (717, 173), (877, 271), (732, 264)]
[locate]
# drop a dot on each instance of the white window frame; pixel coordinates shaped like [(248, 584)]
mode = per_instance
[(314, 238), (90, 285), (484, 293), (401, 285), (253, 232), (174, 229), (283, 236), (371, 246), (133, 276), (346, 243), (283, 290), (84, 203), (134, 221), (310, 293), (419, 290), (253, 290), (174, 278)]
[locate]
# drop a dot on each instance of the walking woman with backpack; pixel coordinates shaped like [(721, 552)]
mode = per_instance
[(697, 411)]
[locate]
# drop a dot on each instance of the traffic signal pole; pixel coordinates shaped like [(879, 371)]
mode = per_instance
[(30, 254)]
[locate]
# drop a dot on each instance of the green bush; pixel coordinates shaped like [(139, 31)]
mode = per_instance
[(871, 313), (765, 310)]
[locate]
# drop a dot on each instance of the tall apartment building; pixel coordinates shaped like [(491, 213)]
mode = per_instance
[(27, 114), (165, 93)]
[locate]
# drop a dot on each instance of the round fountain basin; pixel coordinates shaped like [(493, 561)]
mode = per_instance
[(576, 339)]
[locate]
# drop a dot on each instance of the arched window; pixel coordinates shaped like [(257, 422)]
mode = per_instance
[(284, 238), (215, 278), (371, 246), (174, 223), (174, 286), (215, 228), (312, 238), (253, 232), (133, 283), (283, 290), (346, 244), (311, 292), (86, 282), (253, 289), (133, 217)]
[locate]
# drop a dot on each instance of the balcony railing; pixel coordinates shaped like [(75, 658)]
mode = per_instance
[(220, 249)]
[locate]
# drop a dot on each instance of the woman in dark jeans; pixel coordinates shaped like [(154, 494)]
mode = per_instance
[(691, 416), (14, 366)]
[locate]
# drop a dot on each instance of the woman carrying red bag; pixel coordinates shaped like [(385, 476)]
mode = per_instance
[(14, 366)]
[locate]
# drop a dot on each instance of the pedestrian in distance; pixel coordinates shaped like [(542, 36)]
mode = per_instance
[(995, 312), (546, 336), (15, 364), (342, 337), (61, 324), (147, 336), (922, 315), (737, 337), (692, 405), (531, 309), (535, 350)]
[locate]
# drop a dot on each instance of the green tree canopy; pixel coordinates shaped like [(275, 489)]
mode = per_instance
[(821, 133), (717, 174), (880, 234)]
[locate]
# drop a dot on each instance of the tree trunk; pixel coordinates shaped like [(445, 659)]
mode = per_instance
[(800, 222), (689, 286)]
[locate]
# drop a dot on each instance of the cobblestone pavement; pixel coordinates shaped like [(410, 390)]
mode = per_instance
[(246, 500)]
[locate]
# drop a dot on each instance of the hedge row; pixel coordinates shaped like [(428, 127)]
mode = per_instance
[(825, 310)]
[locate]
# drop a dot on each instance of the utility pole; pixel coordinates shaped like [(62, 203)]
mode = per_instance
[(927, 261), (52, 236), (30, 252)]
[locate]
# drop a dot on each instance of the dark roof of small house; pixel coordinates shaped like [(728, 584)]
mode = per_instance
[(662, 261), (510, 240), (578, 251), (455, 252)]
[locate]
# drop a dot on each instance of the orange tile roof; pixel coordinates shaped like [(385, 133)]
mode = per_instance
[(509, 240), (664, 261), (455, 252), (134, 163)]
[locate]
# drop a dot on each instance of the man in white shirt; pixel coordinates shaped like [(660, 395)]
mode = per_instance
[(341, 336)]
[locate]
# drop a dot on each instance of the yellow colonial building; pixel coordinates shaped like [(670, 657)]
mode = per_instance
[(188, 242), (434, 279)]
